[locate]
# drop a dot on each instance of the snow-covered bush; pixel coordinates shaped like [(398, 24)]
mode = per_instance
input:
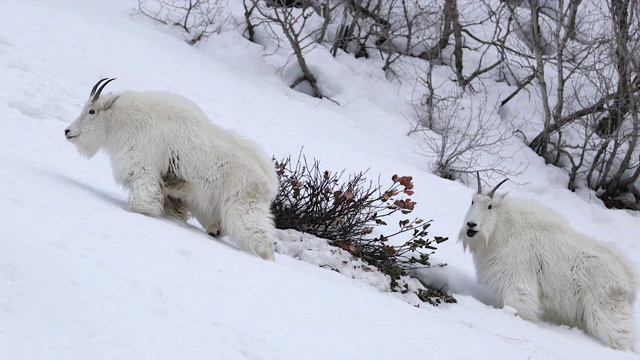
[(320, 252)]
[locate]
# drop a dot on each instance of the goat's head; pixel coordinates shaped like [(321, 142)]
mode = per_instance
[(481, 217), (88, 131)]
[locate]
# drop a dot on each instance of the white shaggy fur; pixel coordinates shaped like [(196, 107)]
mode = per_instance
[(530, 258), (173, 161)]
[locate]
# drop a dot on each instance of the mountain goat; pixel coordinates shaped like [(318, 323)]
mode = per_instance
[(173, 161), (532, 260)]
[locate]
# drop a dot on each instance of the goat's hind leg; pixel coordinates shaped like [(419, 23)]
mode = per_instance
[(252, 228), (611, 321)]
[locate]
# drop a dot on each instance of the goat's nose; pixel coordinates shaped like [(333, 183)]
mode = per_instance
[(471, 224), (66, 131)]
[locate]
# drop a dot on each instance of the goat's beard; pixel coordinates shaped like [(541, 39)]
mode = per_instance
[(87, 147), (475, 243)]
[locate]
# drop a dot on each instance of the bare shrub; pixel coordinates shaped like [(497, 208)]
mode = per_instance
[(347, 213), (287, 22), (460, 139), (198, 18), (593, 137)]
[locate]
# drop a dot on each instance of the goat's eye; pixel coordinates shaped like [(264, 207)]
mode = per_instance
[(472, 202), (92, 111), (489, 207)]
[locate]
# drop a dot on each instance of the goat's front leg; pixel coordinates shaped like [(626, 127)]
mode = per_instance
[(524, 298), (145, 193)]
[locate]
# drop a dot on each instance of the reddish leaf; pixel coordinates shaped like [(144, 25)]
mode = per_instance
[(346, 246), (349, 194), (406, 181), (388, 250), (406, 204)]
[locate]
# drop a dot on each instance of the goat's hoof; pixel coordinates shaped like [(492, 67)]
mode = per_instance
[(144, 211)]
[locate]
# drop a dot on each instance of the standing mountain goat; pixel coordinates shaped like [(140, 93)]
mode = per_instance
[(172, 161), (531, 259)]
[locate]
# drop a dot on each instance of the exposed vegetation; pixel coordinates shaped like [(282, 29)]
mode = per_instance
[(353, 214)]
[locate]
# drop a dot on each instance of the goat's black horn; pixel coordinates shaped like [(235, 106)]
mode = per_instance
[(93, 91), (496, 188), (479, 184), (97, 94)]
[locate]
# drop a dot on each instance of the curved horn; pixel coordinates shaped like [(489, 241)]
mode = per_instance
[(95, 97), (479, 184), (496, 188), (93, 91)]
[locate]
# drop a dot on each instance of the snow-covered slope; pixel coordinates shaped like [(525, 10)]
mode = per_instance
[(81, 278)]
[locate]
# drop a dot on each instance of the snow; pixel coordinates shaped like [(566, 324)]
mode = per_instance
[(81, 278)]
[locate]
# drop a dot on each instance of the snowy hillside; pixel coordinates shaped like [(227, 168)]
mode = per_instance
[(81, 278)]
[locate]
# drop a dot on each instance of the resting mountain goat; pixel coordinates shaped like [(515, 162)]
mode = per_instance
[(172, 161), (531, 259)]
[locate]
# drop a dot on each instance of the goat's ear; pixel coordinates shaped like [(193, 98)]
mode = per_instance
[(500, 197), (109, 102)]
